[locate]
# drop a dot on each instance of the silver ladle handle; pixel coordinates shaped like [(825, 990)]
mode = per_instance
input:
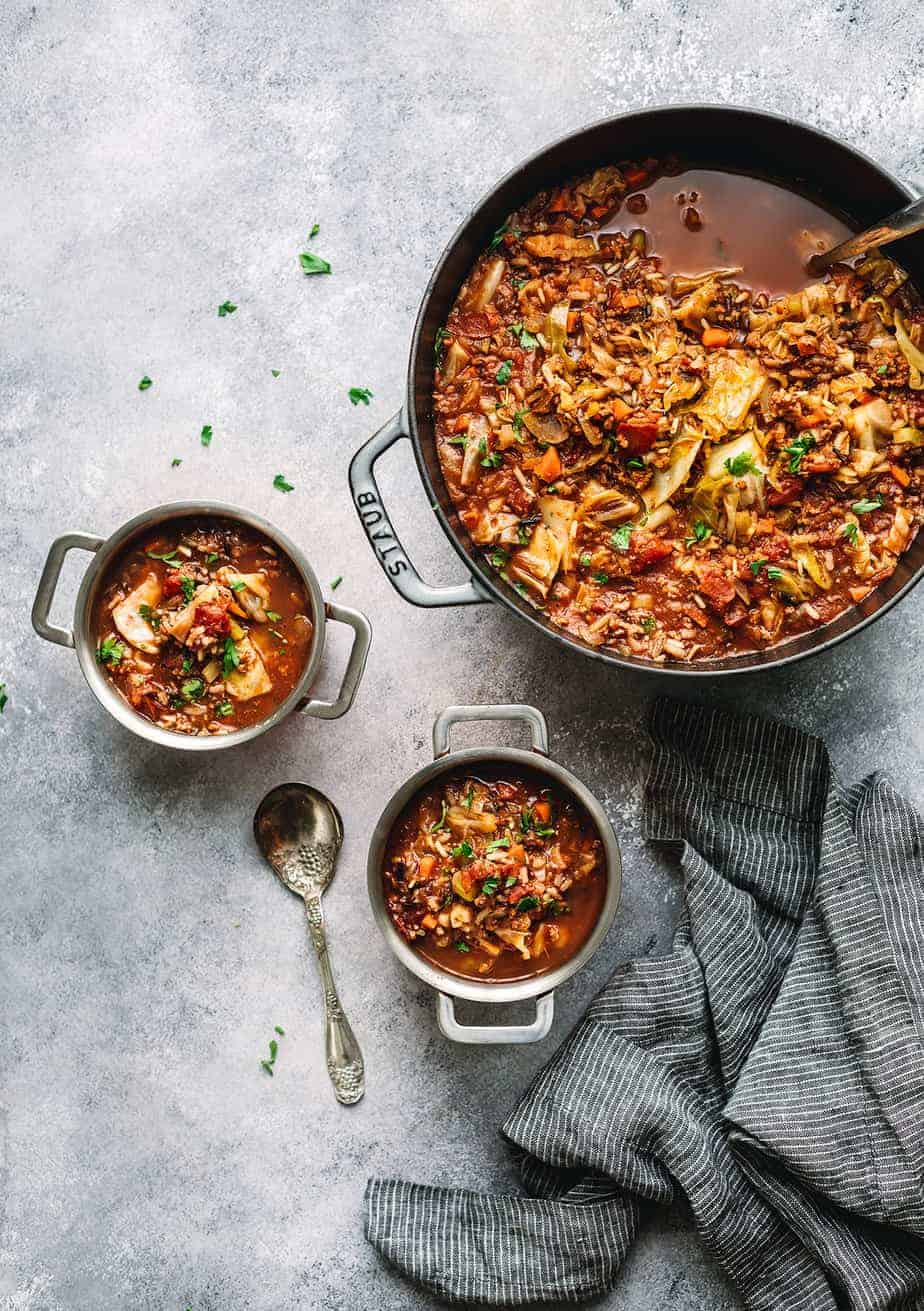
[(344, 1059)]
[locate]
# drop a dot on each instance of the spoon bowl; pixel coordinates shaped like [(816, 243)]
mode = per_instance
[(300, 833)]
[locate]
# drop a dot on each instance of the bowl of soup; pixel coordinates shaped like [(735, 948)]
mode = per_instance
[(494, 875), (200, 625)]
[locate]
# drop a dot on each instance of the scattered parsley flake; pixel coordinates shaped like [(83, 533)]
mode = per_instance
[(797, 450), (463, 851), (149, 617), (462, 946), (238, 586), (313, 263), (774, 572), (528, 903), (189, 587), (490, 886), (175, 463), (739, 465), (230, 659), (526, 339), (225, 308), (757, 565), (498, 843), (192, 688), (601, 577), (360, 395), (635, 463), (498, 236), (205, 435), (852, 532), (315, 229), (504, 372), (649, 624), (211, 557), (109, 652), (701, 533), (336, 583), (3, 697), (621, 537), (275, 372), (441, 822), (224, 709), (161, 555), (281, 485), (145, 383), (278, 1028), (273, 616), (586, 559), (498, 559)]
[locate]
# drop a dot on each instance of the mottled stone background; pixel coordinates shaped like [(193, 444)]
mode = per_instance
[(157, 158)]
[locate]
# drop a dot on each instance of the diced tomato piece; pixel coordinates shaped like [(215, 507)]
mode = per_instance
[(476, 323), (213, 619), (645, 550), (173, 583), (716, 587), (787, 491), (640, 432)]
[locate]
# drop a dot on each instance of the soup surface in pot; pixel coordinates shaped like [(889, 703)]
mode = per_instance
[(203, 625), (663, 432), (495, 874)]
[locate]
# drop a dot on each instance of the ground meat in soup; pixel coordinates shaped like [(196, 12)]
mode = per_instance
[(681, 466), (494, 874), (203, 626)]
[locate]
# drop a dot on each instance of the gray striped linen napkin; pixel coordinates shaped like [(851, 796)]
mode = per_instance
[(770, 1070)]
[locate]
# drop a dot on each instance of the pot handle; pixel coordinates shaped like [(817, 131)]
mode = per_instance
[(494, 1033), (538, 728), (359, 651), (383, 539), (45, 595)]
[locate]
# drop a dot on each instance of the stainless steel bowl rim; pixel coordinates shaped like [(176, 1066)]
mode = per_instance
[(473, 989)]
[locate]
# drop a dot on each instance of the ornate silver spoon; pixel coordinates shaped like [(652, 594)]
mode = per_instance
[(300, 833), (900, 224)]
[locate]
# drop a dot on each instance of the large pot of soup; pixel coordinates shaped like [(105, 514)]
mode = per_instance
[(199, 625), (646, 428), (494, 875)]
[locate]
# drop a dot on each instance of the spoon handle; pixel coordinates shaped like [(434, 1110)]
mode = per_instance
[(900, 224), (344, 1059)]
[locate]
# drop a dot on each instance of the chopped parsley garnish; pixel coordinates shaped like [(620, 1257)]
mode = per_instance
[(518, 421), (883, 368), (469, 798), (281, 485), (336, 583), (273, 1053), (192, 688), (189, 587), (600, 577), (205, 435), (457, 441), (360, 395), (701, 532), (526, 821), (275, 372), (273, 616), (866, 507), (224, 709), (797, 450), (187, 664), (3, 697), (463, 851), (523, 534), (635, 463), (498, 236), (313, 263), (498, 559), (490, 886), (504, 372), (851, 531), (510, 880), (498, 844), (489, 460), (226, 307), (757, 565), (441, 822), (462, 946), (528, 903), (175, 463), (276, 1027), (148, 615), (774, 572), (145, 383), (230, 658), (526, 339), (649, 623), (315, 229), (739, 465), (211, 557), (161, 555), (438, 344), (586, 558), (621, 537), (238, 585), (109, 652)]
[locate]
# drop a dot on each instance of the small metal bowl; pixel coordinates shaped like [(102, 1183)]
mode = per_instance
[(449, 986), (83, 639)]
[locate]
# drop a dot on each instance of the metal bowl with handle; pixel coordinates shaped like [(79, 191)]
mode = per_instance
[(800, 158), (104, 550), (449, 986)]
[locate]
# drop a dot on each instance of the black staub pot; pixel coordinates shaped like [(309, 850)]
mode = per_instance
[(742, 140)]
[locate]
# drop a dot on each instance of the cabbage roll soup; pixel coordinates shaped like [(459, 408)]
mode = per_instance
[(494, 874), (666, 434), (203, 626)]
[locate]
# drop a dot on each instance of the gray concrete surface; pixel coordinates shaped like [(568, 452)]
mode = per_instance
[(157, 158)]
